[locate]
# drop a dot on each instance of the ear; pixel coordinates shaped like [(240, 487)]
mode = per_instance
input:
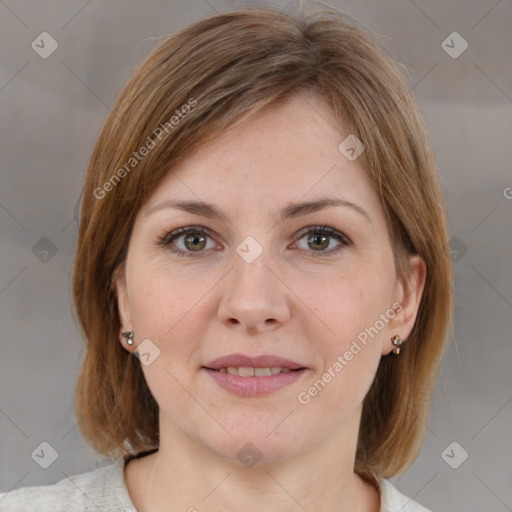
[(123, 304), (408, 293)]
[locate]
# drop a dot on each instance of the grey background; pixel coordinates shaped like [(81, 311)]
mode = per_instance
[(51, 113)]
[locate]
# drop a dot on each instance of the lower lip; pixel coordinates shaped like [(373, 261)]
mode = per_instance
[(254, 386)]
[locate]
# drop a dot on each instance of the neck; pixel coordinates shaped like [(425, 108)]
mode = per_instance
[(185, 476)]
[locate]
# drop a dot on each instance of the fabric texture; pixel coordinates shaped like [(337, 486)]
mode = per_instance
[(105, 489)]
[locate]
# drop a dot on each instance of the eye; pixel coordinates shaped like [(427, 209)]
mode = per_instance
[(319, 239), (193, 240)]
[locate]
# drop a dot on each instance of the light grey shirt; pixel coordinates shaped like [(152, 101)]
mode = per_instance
[(105, 489)]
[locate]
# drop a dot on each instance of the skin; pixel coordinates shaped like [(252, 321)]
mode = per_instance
[(303, 301)]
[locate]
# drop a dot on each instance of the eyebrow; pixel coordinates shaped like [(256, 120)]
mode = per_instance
[(291, 211)]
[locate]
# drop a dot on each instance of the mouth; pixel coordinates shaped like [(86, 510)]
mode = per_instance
[(249, 371), (265, 364), (254, 376)]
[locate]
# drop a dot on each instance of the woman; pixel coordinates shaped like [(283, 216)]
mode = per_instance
[(261, 276)]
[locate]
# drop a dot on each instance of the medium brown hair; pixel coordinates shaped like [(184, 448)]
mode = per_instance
[(232, 65)]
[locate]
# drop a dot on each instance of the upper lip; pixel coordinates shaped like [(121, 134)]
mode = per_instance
[(263, 361)]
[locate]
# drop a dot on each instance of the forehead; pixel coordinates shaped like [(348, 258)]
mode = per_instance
[(287, 152)]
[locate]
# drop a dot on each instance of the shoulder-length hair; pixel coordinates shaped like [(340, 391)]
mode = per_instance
[(192, 87)]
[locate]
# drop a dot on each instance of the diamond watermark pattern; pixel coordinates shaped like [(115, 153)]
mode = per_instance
[(351, 147), (147, 352), (249, 249), (44, 249), (44, 455), (249, 455), (454, 455), (457, 249), (454, 45), (44, 45)]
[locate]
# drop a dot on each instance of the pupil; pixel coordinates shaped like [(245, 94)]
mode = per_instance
[(194, 240), (313, 239)]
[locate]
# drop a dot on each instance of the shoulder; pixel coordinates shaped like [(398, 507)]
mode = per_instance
[(100, 489), (392, 500)]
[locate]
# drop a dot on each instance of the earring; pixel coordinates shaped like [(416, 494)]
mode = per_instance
[(129, 337), (398, 342)]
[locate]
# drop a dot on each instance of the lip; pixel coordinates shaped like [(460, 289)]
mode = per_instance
[(257, 385), (263, 361), (254, 386)]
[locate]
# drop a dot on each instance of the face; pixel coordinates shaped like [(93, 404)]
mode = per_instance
[(314, 286)]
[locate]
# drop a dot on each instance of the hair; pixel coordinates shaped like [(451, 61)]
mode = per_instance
[(230, 66)]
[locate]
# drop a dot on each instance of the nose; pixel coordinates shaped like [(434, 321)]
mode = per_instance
[(254, 299)]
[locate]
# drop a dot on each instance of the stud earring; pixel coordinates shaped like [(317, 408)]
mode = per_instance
[(129, 337), (398, 342)]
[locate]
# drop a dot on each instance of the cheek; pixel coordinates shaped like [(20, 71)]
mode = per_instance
[(344, 307), (350, 346), (167, 309), (349, 356), (159, 297), (353, 308), (170, 309)]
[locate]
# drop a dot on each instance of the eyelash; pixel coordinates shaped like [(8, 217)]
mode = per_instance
[(166, 240)]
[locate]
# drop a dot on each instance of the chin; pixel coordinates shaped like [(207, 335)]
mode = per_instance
[(248, 447)]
